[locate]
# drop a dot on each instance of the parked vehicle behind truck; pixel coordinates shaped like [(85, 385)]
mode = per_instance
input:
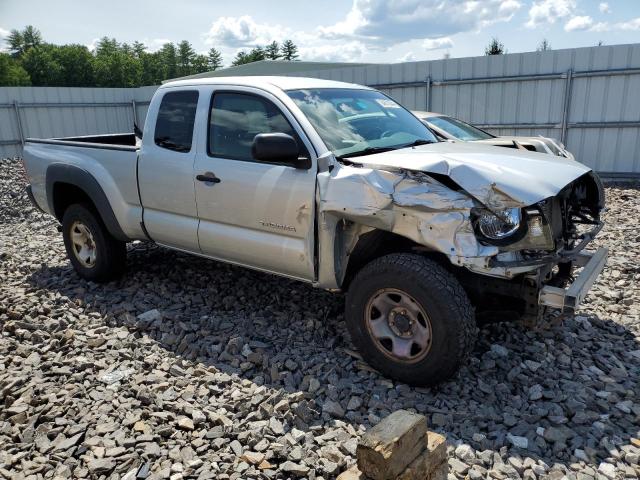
[(450, 128), (339, 186)]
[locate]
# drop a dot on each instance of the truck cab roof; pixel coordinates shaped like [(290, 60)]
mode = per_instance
[(267, 83)]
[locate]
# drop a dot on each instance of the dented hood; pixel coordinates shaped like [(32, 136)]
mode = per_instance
[(496, 176)]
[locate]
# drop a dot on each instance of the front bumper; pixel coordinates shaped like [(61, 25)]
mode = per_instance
[(568, 299)]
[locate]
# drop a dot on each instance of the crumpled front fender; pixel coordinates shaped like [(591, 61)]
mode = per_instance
[(354, 200)]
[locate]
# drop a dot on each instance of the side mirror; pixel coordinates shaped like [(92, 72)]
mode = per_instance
[(275, 147)]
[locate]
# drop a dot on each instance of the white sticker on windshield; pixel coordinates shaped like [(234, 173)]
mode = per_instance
[(387, 103)]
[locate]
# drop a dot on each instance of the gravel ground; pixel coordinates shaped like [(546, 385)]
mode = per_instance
[(188, 368)]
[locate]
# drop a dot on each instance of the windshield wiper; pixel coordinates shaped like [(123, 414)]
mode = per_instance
[(367, 151), (372, 150), (416, 143)]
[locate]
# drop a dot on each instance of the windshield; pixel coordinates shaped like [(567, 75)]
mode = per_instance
[(358, 122), (458, 128)]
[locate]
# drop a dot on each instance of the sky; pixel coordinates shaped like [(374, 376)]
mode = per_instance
[(376, 31)]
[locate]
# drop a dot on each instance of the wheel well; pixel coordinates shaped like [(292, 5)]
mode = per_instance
[(66, 194), (377, 243)]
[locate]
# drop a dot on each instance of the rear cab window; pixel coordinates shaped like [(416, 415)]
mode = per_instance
[(176, 116)]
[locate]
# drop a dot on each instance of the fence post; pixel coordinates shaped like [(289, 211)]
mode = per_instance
[(135, 112), (566, 106), (428, 99), (16, 109)]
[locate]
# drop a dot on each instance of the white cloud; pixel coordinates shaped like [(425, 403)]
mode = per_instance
[(370, 25), (549, 11), (155, 44), (243, 31), (508, 8), (4, 47), (584, 22), (407, 57), (390, 22), (604, 7), (345, 52), (437, 43), (93, 45), (633, 24), (600, 27), (233, 34)]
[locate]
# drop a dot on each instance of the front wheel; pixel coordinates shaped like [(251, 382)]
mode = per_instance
[(410, 319), (93, 252)]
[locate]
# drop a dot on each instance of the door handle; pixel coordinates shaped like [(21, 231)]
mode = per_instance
[(208, 178)]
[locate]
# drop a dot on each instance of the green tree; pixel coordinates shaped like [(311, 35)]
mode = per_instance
[(31, 37), (169, 60), (241, 58), (214, 59), (289, 50), (257, 53), (139, 49), (153, 71), (495, 48), (21, 41), (200, 64), (254, 55), (16, 44), (186, 56), (272, 51), (11, 72), (106, 46), (77, 66), (43, 66), (116, 65)]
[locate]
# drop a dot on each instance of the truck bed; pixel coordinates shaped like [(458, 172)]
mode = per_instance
[(109, 161), (112, 141)]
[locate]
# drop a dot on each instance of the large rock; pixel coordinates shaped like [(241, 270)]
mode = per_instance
[(389, 447), (429, 461)]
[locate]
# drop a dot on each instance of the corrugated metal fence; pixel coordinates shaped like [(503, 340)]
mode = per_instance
[(45, 112), (587, 97)]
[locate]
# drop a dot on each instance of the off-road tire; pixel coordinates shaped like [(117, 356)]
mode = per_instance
[(438, 292), (110, 254)]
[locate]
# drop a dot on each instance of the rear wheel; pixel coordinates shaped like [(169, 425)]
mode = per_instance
[(92, 250), (410, 319)]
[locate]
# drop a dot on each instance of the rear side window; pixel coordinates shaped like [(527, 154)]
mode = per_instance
[(236, 118), (174, 126)]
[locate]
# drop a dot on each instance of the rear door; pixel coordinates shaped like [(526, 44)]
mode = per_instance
[(253, 213), (165, 172)]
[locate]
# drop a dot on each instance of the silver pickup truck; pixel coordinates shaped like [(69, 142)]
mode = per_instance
[(339, 186)]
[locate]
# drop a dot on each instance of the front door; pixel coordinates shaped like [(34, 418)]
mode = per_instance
[(254, 213)]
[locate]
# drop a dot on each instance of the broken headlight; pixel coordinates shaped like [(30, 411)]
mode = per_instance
[(513, 229), (498, 225)]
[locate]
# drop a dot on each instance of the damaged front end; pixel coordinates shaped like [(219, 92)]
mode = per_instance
[(508, 250), (556, 229), (550, 242)]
